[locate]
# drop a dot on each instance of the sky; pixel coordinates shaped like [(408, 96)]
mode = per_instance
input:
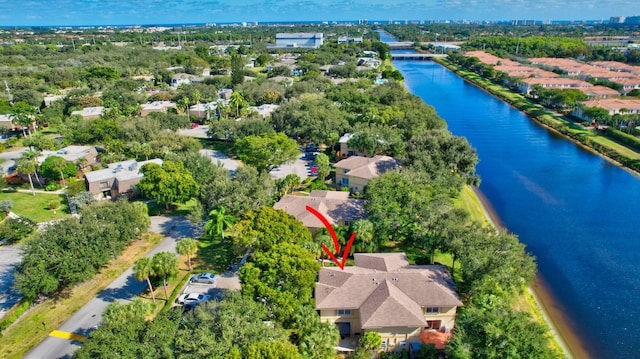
[(148, 12)]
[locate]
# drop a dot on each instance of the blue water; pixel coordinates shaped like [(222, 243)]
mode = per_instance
[(575, 211)]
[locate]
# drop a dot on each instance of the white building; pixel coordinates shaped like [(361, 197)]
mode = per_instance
[(300, 39)]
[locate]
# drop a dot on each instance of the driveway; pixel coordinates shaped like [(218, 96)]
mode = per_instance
[(219, 157), (9, 258), (200, 131), (123, 289), (298, 167), (10, 159)]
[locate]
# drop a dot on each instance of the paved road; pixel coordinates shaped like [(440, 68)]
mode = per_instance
[(200, 131), (10, 158), (9, 257), (124, 288)]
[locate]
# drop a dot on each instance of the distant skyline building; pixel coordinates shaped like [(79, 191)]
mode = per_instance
[(617, 19), (309, 40), (523, 22)]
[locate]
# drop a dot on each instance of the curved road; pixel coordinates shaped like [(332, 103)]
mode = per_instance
[(124, 288)]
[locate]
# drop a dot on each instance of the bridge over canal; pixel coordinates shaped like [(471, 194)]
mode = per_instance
[(416, 56)]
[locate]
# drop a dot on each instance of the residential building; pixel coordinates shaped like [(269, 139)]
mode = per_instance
[(225, 94), (7, 121), (265, 110), (74, 154), (613, 105), (526, 85), (345, 150), (89, 113), (299, 39), (599, 92), (117, 180), (357, 171), (203, 110), (385, 294), (185, 79), (348, 39), (336, 207), (156, 106)]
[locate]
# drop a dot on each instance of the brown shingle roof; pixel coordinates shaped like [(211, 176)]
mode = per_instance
[(335, 206), (386, 298), (368, 167)]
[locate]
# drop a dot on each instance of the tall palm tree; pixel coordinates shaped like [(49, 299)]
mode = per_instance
[(30, 155), (327, 241), (365, 233), (238, 101), (188, 247), (184, 104), (165, 264), (27, 167), (143, 270), (218, 222)]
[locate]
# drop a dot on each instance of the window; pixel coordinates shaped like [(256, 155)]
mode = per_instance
[(432, 310), (344, 311), (383, 345), (104, 185), (345, 182), (433, 324)]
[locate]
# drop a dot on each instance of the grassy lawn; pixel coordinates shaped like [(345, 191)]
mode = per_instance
[(220, 146), (35, 207), (215, 255), (470, 202), (42, 319), (176, 209)]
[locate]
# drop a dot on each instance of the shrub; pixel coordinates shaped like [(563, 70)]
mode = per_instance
[(6, 205), (82, 199), (52, 186), (75, 187), (16, 228), (53, 205)]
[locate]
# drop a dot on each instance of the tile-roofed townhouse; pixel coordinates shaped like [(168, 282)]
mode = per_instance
[(89, 113), (526, 85), (336, 207), (117, 180), (613, 105), (629, 84), (156, 106), (599, 92), (617, 66), (385, 294), (357, 171)]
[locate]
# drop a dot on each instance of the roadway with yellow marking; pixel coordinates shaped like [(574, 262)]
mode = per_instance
[(66, 335)]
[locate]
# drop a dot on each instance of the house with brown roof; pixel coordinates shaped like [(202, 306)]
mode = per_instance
[(385, 294), (526, 85), (156, 106), (356, 172), (336, 207), (613, 105)]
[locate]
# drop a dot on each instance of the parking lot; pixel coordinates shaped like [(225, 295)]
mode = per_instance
[(225, 281)]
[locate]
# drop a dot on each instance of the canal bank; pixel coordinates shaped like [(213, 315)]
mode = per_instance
[(569, 206), (591, 140)]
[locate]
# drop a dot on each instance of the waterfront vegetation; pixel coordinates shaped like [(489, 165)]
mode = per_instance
[(611, 144)]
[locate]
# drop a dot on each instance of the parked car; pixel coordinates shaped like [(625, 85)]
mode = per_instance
[(208, 278), (194, 125), (192, 298), (310, 155), (311, 148)]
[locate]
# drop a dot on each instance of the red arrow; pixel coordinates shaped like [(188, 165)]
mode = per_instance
[(335, 240)]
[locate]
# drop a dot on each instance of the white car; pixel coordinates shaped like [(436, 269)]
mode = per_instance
[(192, 298), (208, 278)]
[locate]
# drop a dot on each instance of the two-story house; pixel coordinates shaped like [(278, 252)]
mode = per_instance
[(356, 172), (385, 294)]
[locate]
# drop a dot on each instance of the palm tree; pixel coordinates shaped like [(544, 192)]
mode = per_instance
[(327, 241), (27, 167), (164, 264), (143, 270), (30, 155), (183, 104), (196, 96), (238, 101), (218, 222), (146, 150), (188, 247), (365, 233)]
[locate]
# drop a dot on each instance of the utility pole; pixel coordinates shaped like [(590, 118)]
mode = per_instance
[(6, 86)]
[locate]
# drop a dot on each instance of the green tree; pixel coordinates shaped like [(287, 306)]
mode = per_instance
[(27, 167), (218, 222), (188, 247), (237, 69), (324, 166), (56, 167), (283, 278), (273, 350), (267, 151), (266, 227), (23, 116), (143, 270), (365, 236), (183, 104), (165, 265), (238, 101), (315, 339), (168, 183), (371, 341)]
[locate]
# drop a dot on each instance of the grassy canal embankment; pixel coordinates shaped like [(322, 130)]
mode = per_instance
[(589, 138)]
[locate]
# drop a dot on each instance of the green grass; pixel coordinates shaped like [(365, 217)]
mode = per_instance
[(220, 146), (471, 204), (175, 209), (215, 255), (35, 207)]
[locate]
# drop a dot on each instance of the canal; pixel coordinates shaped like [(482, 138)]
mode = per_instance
[(575, 211)]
